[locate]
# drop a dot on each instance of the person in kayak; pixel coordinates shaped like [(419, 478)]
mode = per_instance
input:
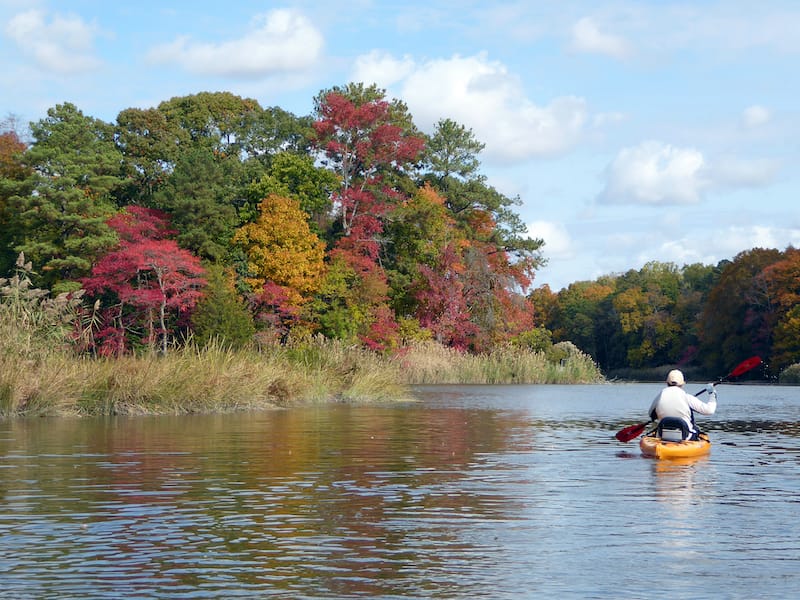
[(674, 409)]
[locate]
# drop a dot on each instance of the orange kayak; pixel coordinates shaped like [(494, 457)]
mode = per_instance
[(658, 448)]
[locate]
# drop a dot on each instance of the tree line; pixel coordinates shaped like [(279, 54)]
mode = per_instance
[(209, 217), (709, 317)]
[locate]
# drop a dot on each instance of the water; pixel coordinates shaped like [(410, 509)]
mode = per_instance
[(472, 492)]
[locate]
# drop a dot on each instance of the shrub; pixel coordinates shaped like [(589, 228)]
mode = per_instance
[(790, 374)]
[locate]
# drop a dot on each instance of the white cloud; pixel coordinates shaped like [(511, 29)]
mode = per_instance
[(631, 250), (558, 243), (733, 27), (587, 37), (737, 239), (755, 116), (680, 252), (382, 68), (483, 96), (59, 44), (656, 174), (724, 244), (280, 41)]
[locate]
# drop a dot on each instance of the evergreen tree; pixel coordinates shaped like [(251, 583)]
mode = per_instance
[(221, 315), (58, 213)]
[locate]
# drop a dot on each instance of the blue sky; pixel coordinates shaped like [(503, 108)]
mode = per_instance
[(631, 131)]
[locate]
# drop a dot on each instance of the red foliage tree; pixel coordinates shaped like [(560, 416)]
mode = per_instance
[(136, 224), (363, 140), (368, 142), (275, 307), (147, 272), (443, 302)]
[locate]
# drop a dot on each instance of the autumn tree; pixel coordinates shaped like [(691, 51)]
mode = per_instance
[(364, 140), (499, 258), (782, 279), (545, 305), (281, 249), (12, 172), (444, 302), (644, 305), (580, 306), (150, 274), (420, 230), (737, 315), (371, 145)]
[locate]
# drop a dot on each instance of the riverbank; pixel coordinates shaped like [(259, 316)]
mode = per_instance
[(47, 381)]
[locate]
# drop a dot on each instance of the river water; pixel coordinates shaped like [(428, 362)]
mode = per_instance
[(469, 492)]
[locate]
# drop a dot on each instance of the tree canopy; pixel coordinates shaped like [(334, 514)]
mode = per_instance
[(349, 223)]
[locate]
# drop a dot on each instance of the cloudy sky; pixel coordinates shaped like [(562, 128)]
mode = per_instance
[(631, 131)]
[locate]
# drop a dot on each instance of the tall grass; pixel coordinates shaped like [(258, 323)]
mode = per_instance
[(790, 374), (53, 381), (428, 362), (192, 379)]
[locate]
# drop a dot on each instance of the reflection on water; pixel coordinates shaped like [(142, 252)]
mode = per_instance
[(674, 487), (480, 491)]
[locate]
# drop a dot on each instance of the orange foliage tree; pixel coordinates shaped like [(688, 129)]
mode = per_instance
[(737, 314), (281, 249), (11, 167), (783, 282)]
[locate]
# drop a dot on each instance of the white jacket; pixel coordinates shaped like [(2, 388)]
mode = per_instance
[(673, 401)]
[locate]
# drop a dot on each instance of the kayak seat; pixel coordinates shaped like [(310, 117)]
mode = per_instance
[(673, 429)]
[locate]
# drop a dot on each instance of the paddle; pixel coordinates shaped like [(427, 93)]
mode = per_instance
[(633, 431)]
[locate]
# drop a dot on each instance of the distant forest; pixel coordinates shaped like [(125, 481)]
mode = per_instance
[(697, 316), (209, 217)]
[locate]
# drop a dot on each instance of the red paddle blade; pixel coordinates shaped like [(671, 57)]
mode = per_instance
[(630, 432), (745, 366)]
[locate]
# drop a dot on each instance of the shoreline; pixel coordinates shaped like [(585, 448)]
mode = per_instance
[(213, 379)]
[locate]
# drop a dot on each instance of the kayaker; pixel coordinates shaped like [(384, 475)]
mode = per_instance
[(674, 405)]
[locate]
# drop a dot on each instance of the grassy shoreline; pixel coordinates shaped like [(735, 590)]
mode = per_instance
[(41, 375), (41, 380)]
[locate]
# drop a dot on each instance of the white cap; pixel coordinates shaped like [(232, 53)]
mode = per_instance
[(675, 377)]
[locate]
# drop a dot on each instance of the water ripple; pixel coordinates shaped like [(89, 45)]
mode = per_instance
[(479, 495)]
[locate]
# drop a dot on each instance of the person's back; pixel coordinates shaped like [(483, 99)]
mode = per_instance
[(674, 402)]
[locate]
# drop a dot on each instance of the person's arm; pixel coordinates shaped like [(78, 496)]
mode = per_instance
[(652, 411), (704, 408)]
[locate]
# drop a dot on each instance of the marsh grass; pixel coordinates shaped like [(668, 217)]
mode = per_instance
[(191, 379), (185, 380), (361, 374), (790, 375), (429, 363), (53, 381)]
